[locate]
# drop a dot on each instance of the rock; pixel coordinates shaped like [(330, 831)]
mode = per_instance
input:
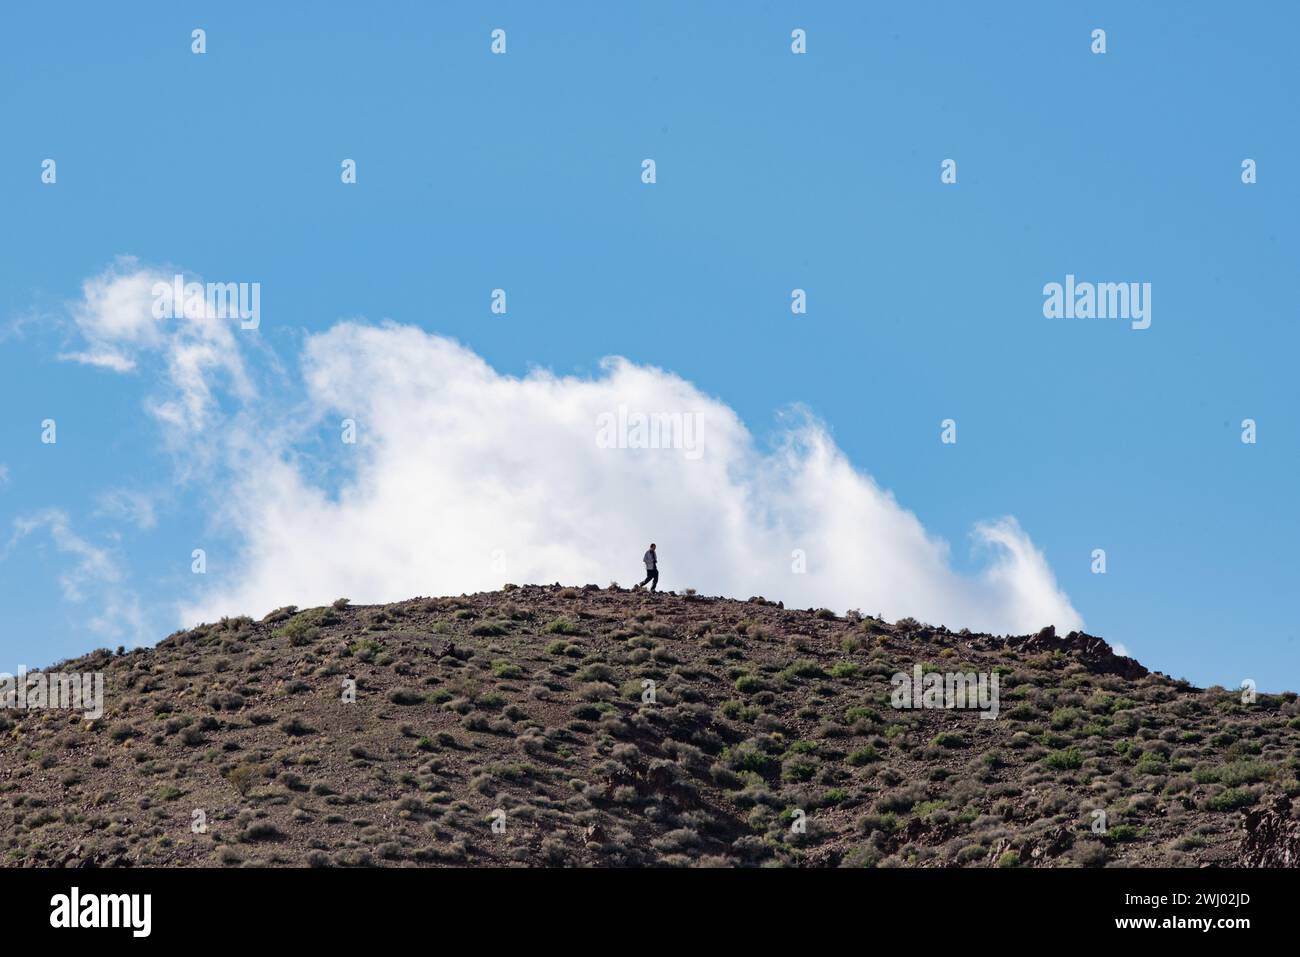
[(1053, 843), (1094, 652), (1272, 837)]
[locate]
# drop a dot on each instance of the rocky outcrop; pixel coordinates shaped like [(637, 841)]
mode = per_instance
[(1272, 837), (1094, 652)]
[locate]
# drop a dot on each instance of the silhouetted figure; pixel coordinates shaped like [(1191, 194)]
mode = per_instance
[(651, 569)]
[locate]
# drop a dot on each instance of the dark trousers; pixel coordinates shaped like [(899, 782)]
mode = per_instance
[(651, 575)]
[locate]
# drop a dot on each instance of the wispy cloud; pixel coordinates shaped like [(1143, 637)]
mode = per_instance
[(93, 578), (91, 564), (103, 359), (115, 319), (122, 620), (128, 505)]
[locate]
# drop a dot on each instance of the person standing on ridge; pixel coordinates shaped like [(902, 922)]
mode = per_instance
[(651, 568)]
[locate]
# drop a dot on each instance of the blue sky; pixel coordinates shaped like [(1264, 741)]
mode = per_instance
[(775, 171)]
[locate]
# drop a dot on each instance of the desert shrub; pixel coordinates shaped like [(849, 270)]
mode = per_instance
[(1089, 853), (1151, 762), (798, 769), (241, 778), (803, 668), (295, 727), (739, 711), (260, 831), (746, 757), (865, 755), (900, 801), (1070, 759), (859, 713), (597, 671), (304, 628), (750, 684), (1231, 799), (1065, 718), (1244, 772)]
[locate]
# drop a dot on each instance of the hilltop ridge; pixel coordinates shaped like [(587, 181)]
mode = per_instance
[(587, 726)]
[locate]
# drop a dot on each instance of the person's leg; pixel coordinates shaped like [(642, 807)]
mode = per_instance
[(654, 575)]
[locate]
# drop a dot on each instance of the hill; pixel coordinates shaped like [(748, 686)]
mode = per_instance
[(548, 725)]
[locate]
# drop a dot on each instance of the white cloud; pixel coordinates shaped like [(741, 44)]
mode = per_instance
[(462, 478), (110, 309), (457, 466), (4, 475), (101, 358), (115, 318)]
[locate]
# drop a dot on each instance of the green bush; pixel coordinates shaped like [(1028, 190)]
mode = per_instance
[(507, 669), (1231, 800), (1070, 759), (746, 757), (749, 684), (803, 668)]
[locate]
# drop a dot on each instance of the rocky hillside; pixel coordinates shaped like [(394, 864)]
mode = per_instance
[(521, 727)]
